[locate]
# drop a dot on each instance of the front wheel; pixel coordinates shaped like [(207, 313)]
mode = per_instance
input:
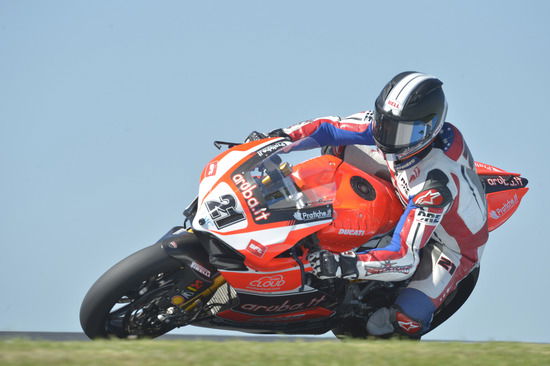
[(132, 298)]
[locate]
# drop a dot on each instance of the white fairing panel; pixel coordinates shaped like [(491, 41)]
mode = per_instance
[(220, 211)]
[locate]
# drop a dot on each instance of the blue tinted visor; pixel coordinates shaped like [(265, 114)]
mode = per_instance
[(393, 135)]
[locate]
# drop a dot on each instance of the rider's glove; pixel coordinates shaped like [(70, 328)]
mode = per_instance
[(327, 265), (255, 135), (279, 133)]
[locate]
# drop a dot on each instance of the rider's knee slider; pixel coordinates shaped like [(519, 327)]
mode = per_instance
[(406, 325)]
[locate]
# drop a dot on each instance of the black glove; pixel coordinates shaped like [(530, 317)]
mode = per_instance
[(255, 135), (326, 264), (279, 133)]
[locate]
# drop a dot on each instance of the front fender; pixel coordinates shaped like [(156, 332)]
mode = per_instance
[(186, 248)]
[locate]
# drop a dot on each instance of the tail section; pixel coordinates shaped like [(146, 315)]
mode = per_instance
[(503, 190)]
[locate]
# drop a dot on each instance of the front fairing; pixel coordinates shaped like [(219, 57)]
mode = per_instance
[(253, 199)]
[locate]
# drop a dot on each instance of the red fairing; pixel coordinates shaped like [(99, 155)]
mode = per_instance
[(356, 219), (502, 205), (486, 169), (505, 192)]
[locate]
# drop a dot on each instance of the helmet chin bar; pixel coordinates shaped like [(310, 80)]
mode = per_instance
[(407, 152)]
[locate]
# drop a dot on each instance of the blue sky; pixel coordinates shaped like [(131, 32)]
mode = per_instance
[(108, 110)]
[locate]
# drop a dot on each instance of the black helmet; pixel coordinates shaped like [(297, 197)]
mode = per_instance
[(409, 113)]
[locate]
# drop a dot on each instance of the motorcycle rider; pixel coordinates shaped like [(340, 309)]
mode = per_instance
[(440, 236)]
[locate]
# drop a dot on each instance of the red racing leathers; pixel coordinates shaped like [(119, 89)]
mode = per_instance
[(445, 213)]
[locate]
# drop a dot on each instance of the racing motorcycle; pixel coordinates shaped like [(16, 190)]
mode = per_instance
[(239, 260)]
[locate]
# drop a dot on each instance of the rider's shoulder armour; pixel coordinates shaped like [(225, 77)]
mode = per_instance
[(435, 192)]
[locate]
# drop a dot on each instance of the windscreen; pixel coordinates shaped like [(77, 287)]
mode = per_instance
[(285, 176)]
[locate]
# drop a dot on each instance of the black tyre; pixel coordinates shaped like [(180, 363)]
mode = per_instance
[(455, 301), (128, 298), (351, 328)]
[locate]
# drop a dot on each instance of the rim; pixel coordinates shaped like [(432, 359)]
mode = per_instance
[(142, 311)]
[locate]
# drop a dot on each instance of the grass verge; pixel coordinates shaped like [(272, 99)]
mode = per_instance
[(299, 353)]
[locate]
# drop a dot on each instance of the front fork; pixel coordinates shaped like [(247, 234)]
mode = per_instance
[(199, 300)]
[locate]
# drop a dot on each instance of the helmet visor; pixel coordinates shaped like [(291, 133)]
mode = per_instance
[(393, 135)]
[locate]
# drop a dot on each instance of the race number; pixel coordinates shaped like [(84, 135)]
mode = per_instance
[(223, 212)]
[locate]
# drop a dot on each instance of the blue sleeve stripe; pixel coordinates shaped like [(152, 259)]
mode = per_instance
[(328, 134), (395, 244)]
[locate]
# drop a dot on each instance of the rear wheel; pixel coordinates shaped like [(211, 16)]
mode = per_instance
[(133, 298), (457, 299), (351, 328)]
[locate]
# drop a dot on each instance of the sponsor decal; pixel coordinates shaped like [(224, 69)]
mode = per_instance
[(269, 149), (407, 164), (267, 283), (431, 197), (403, 185), (507, 206), (407, 324), (427, 217), (191, 290), (312, 215), (399, 192), (447, 264), (415, 174), (288, 305), (505, 181), (393, 103), (211, 169), (223, 212), (200, 269), (351, 232), (256, 248), (247, 190), (489, 167), (195, 286), (388, 267)]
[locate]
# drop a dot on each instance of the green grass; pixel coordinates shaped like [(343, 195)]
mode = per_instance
[(299, 353)]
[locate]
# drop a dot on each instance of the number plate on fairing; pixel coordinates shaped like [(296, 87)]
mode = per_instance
[(221, 211)]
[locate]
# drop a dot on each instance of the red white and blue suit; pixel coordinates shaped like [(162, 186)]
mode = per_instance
[(445, 215)]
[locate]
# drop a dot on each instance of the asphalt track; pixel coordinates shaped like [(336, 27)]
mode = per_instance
[(68, 336)]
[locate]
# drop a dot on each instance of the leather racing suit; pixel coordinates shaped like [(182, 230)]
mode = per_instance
[(445, 215)]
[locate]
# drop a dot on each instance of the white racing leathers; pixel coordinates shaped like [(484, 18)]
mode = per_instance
[(445, 214)]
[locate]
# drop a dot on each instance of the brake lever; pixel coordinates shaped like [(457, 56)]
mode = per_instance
[(229, 145)]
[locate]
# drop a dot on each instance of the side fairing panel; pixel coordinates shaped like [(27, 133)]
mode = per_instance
[(503, 191)]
